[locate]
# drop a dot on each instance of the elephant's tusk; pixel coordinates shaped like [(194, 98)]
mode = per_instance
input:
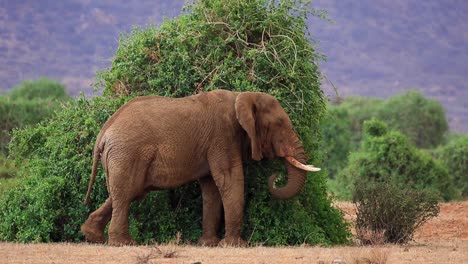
[(301, 166)]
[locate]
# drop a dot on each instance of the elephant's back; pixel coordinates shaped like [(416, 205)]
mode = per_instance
[(162, 116), (167, 106), (153, 116)]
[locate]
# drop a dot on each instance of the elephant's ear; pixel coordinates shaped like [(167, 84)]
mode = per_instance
[(245, 112)]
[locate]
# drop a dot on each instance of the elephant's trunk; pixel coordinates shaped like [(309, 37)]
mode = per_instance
[(296, 176)]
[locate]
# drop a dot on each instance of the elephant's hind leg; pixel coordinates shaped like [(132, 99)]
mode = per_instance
[(93, 228), (212, 207), (126, 183), (119, 234)]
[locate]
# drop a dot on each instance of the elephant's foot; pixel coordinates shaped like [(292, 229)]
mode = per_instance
[(233, 242), (121, 240), (92, 233), (208, 241)]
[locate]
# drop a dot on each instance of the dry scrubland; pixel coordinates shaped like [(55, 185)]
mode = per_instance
[(442, 240)]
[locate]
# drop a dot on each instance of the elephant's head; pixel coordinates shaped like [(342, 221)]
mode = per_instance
[(271, 135)]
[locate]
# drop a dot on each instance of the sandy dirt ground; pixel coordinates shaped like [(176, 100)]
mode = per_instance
[(442, 240)]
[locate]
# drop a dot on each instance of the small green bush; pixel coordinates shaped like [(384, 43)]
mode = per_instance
[(359, 109), (451, 135), (28, 104), (391, 208), (7, 167), (336, 139), (237, 45), (419, 118), (42, 88), (18, 113), (454, 156), (7, 173), (38, 202), (390, 155)]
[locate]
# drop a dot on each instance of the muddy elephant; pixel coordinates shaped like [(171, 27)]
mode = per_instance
[(155, 143)]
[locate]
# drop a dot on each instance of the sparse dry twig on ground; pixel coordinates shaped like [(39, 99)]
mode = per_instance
[(169, 251)]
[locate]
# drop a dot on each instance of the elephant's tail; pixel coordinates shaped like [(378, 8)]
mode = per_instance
[(98, 147)]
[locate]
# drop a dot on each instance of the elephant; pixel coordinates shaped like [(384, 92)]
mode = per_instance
[(154, 143)]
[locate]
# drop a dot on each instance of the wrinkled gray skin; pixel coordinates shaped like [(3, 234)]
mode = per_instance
[(154, 143)]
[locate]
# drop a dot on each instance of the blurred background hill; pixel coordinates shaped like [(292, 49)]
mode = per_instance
[(374, 48)]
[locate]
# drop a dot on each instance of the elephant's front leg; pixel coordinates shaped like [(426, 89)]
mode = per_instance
[(212, 207), (230, 183)]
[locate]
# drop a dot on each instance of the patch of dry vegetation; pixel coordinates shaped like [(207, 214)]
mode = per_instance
[(443, 239), (170, 251), (373, 256), (438, 252), (370, 237)]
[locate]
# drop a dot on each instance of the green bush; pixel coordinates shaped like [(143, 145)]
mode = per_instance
[(7, 172), (336, 139), (18, 113), (394, 186), (236, 45), (28, 104), (342, 132), (454, 156), (7, 167), (36, 203), (390, 155), (451, 135), (421, 119), (393, 209), (42, 88), (359, 110)]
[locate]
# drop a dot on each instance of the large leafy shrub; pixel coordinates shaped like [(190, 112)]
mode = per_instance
[(236, 45), (454, 156), (52, 157), (385, 155)]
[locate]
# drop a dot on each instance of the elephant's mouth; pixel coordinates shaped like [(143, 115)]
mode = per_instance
[(301, 166)]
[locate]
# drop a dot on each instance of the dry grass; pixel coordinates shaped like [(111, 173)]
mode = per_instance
[(441, 240), (370, 237), (448, 252), (154, 253), (374, 256), (170, 251)]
